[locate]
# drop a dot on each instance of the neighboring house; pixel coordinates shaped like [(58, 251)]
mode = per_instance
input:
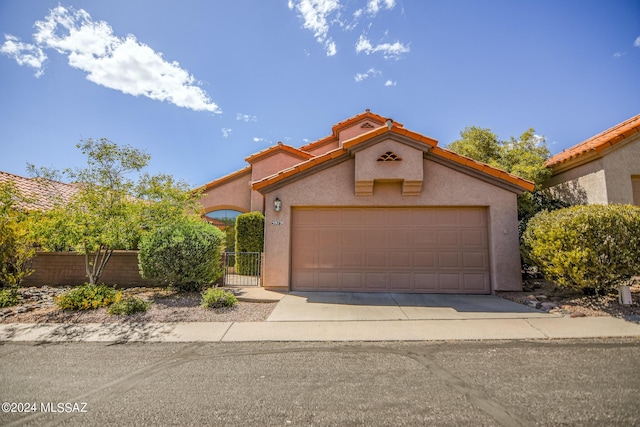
[(375, 207), (39, 193), (603, 169)]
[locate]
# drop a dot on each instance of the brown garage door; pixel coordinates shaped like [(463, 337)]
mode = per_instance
[(434, 250)]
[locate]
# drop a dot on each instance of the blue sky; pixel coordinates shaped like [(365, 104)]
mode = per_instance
[(201, 85)]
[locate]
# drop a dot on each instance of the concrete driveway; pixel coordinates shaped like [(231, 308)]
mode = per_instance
[(341, 306)]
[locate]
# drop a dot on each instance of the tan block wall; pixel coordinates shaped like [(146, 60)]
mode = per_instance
[(68, 268)]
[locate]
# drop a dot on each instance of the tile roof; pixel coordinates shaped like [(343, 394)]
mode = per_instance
[(41, 193), (598, 143), (280, 147), (233, 175), (430, 146)]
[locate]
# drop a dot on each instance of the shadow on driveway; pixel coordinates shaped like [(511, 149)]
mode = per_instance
[(332, 306)]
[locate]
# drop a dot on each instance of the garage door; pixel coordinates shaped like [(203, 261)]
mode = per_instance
[(429, 250)]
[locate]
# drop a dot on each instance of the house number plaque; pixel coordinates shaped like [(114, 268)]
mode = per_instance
[(277, 222)]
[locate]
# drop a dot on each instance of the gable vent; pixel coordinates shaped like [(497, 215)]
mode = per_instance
[(389, 156), (367, 125)]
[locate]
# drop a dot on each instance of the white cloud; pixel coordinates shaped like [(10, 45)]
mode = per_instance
[(390, 83), (388, 50), (619, 54), (373, 6), (246, 117), (226, 132), (24, 53), (316, 16), (371, 72), (636, 43), (257, 139), (123, 64)]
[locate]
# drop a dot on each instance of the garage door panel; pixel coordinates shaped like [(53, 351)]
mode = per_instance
[(400, 281), (376, 259), (425, 282), (474, 238), (474, 261), (448, 238), (376, 280), (449, 260), (390, 249), (424, 260), (475, 281), (400, 259)]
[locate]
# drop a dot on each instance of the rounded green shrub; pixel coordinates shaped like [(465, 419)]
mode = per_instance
[(88, 296), (129, 305), (185, 255), (585, 247), (249, 238), (217, 297)]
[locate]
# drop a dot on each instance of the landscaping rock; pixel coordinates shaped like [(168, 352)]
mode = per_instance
[(577, 314)]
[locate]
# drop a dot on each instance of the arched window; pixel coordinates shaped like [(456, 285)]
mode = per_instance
[(226, 217)]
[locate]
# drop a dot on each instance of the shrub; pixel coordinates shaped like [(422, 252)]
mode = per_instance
[(88, 296), (249, 238), (16, 245), (217, 297), (185, 255), (8, 297), (129, 305), (593, 247)]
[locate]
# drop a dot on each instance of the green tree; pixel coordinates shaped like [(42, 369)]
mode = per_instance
[(524, 156), (110, 210), (16, 245)]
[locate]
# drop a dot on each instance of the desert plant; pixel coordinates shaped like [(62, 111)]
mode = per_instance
[(249, 238), (9, 297), (185, 255), (129, 305), (594, 247), (218, 297), (88, 296), (16, 245)]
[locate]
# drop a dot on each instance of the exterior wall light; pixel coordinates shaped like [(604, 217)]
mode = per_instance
[(277, 204)]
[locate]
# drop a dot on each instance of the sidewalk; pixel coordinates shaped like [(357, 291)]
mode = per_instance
[(376, 330), (347, 317)]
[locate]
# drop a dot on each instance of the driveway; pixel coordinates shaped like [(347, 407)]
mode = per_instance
[(341, 306)]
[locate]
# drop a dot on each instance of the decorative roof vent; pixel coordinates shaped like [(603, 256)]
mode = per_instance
[(389, 156), (367, 125)]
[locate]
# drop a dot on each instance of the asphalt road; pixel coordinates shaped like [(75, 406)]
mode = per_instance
[(550, 383)]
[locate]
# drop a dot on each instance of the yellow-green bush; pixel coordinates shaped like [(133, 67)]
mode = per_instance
[(582, 247), (88, 296), (249, 238)]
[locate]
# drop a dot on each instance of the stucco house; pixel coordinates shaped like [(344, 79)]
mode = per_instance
[(600, 170), (375, 207)]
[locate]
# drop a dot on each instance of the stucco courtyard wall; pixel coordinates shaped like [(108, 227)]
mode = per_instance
[(442, 187), (68, 268)]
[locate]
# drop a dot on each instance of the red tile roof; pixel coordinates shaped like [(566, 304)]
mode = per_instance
[(598, 143), (280, 148), (430, 145), (233, 175), (40, 193)]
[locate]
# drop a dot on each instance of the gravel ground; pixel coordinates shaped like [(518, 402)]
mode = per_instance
[(575, 303), (37, 306)]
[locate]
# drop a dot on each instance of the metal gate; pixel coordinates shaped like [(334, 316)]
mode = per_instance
[(242, 268)]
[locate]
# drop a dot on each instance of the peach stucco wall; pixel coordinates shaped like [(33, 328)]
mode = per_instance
[(268, 166), (442, 186), (601, 181), (233, 194)]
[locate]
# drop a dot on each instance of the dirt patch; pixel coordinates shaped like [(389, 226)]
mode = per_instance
[(37, 305)]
